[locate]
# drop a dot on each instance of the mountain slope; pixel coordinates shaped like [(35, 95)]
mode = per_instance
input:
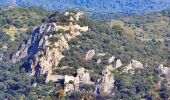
[(108, 58), (97, 6)]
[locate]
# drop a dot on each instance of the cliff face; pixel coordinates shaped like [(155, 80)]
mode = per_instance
[(44, 48)]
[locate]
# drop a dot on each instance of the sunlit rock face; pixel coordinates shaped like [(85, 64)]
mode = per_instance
[(118, 63), (72, 83), (134, 64), (106, 83), (165, 71), (45, 46), (111, 59), (89, 55)]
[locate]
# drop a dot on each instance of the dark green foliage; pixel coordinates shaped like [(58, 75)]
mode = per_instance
[(22, 17), (67, 71), (133, 87), (76, 96), (112, 41), (88, 87), (164, 91)]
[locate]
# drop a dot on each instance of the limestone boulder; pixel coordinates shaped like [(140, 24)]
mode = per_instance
[(99, 61), (118, 63), (89, 55), (111, 59)]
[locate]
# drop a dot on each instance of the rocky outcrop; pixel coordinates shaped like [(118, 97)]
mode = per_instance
[(69, 82), (22, 53), (118, 63), (89, 55), (73, 83), (106, 83), (99, 61), (44, 48), (111, 59), (134, 64), (1, 57), (165, 71)]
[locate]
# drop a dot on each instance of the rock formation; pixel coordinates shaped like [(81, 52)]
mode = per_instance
[(99, 61), (163, 69), (73, 83), (106, 83), (134, 64), (111, 59), (166, 72), (44, 48), (118, 63), (89, 55), (1, 57)]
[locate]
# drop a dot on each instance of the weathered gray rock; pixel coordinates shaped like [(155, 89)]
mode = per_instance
[(134, 64), (105, 85), (43, 54), (111, 59), (22, 53), (73, 83), (89, 55), (101, 54), (83, 75), (165, 71), (1, 57), (118, 63), (98, 61)]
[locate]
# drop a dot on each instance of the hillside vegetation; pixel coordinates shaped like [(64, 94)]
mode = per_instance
[(95, 6), (20, 20), (150, 26), (116, 38)]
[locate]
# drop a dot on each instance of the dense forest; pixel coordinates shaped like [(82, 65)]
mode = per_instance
[(97, 6), (112, 38)]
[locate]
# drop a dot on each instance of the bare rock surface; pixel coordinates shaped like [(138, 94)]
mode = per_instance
[(134, 64), (89, 55), (118, 63), (111, 59), (106, 83)]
